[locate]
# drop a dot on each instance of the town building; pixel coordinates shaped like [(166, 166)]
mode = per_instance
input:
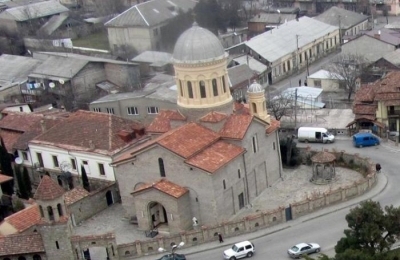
[(350, 23), (138, 29), (291, 47), (208, 160), (151, 62), (326, 80), (263, 22), (240, 78)]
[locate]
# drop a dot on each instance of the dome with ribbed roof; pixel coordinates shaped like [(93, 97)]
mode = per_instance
[(196, 45), (255, 88)]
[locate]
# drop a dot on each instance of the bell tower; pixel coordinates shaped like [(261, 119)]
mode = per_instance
[(257, 102)]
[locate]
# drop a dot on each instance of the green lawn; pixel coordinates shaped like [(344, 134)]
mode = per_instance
[(95, 41)]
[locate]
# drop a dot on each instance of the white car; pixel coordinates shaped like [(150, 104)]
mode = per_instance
[(240, 250), (303, 249)]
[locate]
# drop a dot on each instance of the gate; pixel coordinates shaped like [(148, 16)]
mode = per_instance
[(288, 213)]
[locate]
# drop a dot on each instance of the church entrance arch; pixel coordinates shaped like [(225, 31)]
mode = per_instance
[(157, 214)]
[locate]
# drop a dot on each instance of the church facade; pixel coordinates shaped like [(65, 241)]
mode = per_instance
[(209, 158)]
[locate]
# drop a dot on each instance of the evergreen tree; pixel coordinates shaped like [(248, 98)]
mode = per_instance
[(27, 182), (85, 180), (6, 168), (20, 182)]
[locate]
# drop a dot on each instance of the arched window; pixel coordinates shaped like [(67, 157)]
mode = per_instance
[(264, 105), (37, 257), (254, 106), (223, 84), (6, 258), (180, 87), (202, 89), (50, 212), (190, 89), (21, 258), (161, 165), (41, 211), (59, 209), (215, 87)]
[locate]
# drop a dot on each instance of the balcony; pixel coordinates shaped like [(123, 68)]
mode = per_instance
[(393, 113)]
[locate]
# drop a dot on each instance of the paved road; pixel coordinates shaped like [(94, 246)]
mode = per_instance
[(324, 226)]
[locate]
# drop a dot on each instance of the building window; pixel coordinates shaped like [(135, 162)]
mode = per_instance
[(190, 89), (215, 87), (73, 164), (59, 209), (40, 159), (41, 211), (239, 174), (310, 53), (21, 258), (288, 65), (110, 110), (301, 57), (155, 31), (50, 213), (55, 161), (132, 111), (37, 257), (25, 156), (273, 145), (241, 200), (57, 245), (224, 184), (284, 67), (97, 109), (202, 86), (223, 84), (101, 169), (254, 143), (180, 87), (254, 106), (152, 110), (317, 83), (161, 166)]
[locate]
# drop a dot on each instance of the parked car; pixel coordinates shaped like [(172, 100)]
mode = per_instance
[(173, 257), (315, 134), (303, 249), (365, 139), (240, 250)]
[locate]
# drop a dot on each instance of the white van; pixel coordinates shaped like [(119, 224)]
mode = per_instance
[(240, 250), (315, 134)]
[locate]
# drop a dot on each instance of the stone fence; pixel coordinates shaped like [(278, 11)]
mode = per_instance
[(265, 219)]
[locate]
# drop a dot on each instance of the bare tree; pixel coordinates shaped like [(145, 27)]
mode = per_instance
[(348, 68), (280, 106)]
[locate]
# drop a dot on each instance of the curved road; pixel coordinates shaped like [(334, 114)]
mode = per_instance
[(327, 229)]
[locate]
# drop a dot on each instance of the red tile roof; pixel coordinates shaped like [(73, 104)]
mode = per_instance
[(162, 122), (74, 195), (213, 117), (275, 125), (19, 121), (48, 189), (21, 244), (166, 187), (196, 137), (98, 132), (24, 219), (236, 126), (5, 178), (364, 109), (366, 93), (215, 156), (10, 138)]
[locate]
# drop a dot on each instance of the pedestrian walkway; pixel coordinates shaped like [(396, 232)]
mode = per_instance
[(377, 189), (390, 145)]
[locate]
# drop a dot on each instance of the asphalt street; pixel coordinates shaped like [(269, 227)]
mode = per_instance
[(322, 228)]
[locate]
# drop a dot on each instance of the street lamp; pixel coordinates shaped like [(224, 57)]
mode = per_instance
[(173, 249)]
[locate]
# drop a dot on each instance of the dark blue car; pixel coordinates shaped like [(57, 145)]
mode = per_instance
[(365, 139)]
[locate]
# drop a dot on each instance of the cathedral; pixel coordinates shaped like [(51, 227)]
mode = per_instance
[(209, 158)]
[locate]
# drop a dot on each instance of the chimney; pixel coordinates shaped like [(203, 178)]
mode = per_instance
[(91, 144), (43, 126), (126, 136), (378, 35)]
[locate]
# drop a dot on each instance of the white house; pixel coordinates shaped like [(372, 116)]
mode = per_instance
[(306, 97), (86, 140), (326, 80)]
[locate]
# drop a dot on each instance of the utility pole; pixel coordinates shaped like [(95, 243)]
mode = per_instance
[(295, 109), (340, 30), (297, 52)]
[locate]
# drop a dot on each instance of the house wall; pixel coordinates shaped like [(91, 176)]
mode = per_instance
[(121, 107), (8, 26), (20, 108), (138, 39), (326, 84), (6, 94), (125, 76), (60, 233), (64, 156), (370, 48), (357, 28), (84, 82)]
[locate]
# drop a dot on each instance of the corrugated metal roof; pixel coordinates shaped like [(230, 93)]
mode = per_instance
[(393, 57), (272, 18), (33, 11), (347, 18), (154, 57), (239, 74), (252, 63), (385, 35), (59, 67), (278, 42), (303, 92), (151, 13), (324, 74), (15, 68)]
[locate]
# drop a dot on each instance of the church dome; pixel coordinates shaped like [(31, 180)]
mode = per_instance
[(197, 44), (255, 88)]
